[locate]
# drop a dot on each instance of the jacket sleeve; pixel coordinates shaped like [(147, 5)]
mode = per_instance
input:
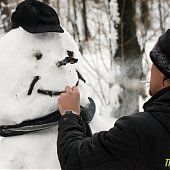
[(77, 151)]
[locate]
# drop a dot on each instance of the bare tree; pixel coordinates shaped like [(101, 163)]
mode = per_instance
[(128, 56), (84, 16), (5, 15)]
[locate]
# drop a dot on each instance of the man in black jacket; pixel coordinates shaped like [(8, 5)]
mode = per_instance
[(137, 142)]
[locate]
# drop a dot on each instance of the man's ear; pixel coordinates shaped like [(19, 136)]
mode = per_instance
[(166, 81)]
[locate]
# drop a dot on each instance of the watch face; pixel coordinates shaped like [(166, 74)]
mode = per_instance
[(69, 112)]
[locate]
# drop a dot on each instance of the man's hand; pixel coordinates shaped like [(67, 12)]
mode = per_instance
[(70, 100)]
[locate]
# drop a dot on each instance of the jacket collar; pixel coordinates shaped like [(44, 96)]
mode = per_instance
[(156, 97), (159, 107)]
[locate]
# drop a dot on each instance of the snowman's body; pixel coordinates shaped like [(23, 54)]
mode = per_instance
[(23, 56), (31, 151)]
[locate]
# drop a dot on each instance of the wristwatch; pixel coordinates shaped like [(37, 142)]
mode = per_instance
[(69, 112)]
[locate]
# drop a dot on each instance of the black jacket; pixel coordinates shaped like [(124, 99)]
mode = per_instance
[(137, 142)]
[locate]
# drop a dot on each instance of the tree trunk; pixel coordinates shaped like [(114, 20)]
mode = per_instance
[(145, 16), (6, 12), (84, 15), (128, 56), (160, 15)]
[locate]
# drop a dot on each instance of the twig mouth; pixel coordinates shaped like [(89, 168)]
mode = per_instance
[(33, 84), (50, 92)]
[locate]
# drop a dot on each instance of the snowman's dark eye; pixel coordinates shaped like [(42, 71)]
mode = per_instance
[(38, 56)]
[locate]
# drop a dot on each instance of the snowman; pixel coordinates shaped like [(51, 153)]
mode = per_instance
[(38, 59)]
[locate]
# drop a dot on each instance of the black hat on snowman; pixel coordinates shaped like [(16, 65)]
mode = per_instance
[(36, 17), (160, 54)]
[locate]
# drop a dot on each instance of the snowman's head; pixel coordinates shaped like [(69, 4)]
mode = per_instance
[(34, 70)]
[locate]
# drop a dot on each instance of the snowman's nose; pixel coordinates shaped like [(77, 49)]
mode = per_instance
[(67, 60)]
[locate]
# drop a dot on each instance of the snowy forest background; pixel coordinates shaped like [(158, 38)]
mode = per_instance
[(115, 38)]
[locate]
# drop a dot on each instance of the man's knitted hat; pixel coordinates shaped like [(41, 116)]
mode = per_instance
[(160, 54)]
